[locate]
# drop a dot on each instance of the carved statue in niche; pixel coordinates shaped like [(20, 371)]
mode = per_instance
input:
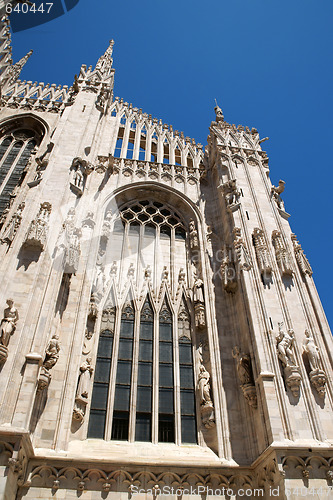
[(73, 251), (82, 392), (13, 225), (245, 375), (194, 241), (80, 170), (38, 229), (300, 256), (106, 228), (276, 194), (199, 305), (42, 162), (230, 192), (317, 376), (206, 403), (281, 254), (262, 254), (50, 359), (228, 274), (285, 342), (99, 283), (7, 328), (242, 254)]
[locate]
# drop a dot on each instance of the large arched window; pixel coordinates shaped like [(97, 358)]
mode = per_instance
[(144, 386), (16, 145)]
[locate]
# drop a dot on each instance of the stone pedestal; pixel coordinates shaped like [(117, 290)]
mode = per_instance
[(318, 380)]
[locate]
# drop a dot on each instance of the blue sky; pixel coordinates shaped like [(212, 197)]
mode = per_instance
[(268, 63)]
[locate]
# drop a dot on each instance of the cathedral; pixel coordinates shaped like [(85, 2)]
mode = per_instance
[(161, 335)]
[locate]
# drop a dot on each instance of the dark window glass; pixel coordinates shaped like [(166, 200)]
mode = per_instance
[(189, 431), (120, 426), (143, 427), (100, 391), (166, 429)]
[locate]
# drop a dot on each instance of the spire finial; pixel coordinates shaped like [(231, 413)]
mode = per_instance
[(104, 63), (13, 72)]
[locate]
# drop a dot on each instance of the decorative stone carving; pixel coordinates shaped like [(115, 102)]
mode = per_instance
[(245, 375), (242, 255), (281, 253), (230, 192), (80, 170), (228, 274), (147, 273), (285, 342), (81, 398), (106, 228), (38, 229), (88, 221), (165, 274), (262, 254), (206, 403), (13, 225), (219, 115), (131, 271), (300, 256), (7, 328), (181, 275), (276, 194), (99, 284), (42, 162), (194, 241), (69, 240), (317, 376), (50, 359), (199, 304)]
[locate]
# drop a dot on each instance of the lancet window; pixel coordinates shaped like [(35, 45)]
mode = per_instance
[(15, 151)]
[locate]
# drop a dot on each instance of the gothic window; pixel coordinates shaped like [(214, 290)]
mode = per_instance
[(119, 143), (154, 147), (15, 151), (147, 390), (166, 151), (178, 157), (143, 139)]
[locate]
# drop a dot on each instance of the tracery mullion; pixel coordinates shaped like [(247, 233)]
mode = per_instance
[(173, 276), (136, 147), (134, 379), (176, 378), (124, 148), (113, 371), (156, 378), (5, 147), (122, 277)]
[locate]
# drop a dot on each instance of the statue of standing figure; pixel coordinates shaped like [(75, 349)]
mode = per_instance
[(204, 386), (8, 322), (52, 352), (285, 342), (311, 350)]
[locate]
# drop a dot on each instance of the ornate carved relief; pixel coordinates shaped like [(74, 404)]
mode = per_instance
[(317, 375), (242, 255), (285, 342), (7, 328), (301, 259), (281, 253), (245, 375), (106, 228), (69, 240), (82, 392), (38, 229), (262, 254), (50, 359), (88, 221), (13, 225)]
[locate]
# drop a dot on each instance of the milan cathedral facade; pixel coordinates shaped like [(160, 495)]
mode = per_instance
[(161, 333)]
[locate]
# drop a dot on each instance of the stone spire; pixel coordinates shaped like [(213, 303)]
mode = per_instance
[(12, 73), (104, 63)]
